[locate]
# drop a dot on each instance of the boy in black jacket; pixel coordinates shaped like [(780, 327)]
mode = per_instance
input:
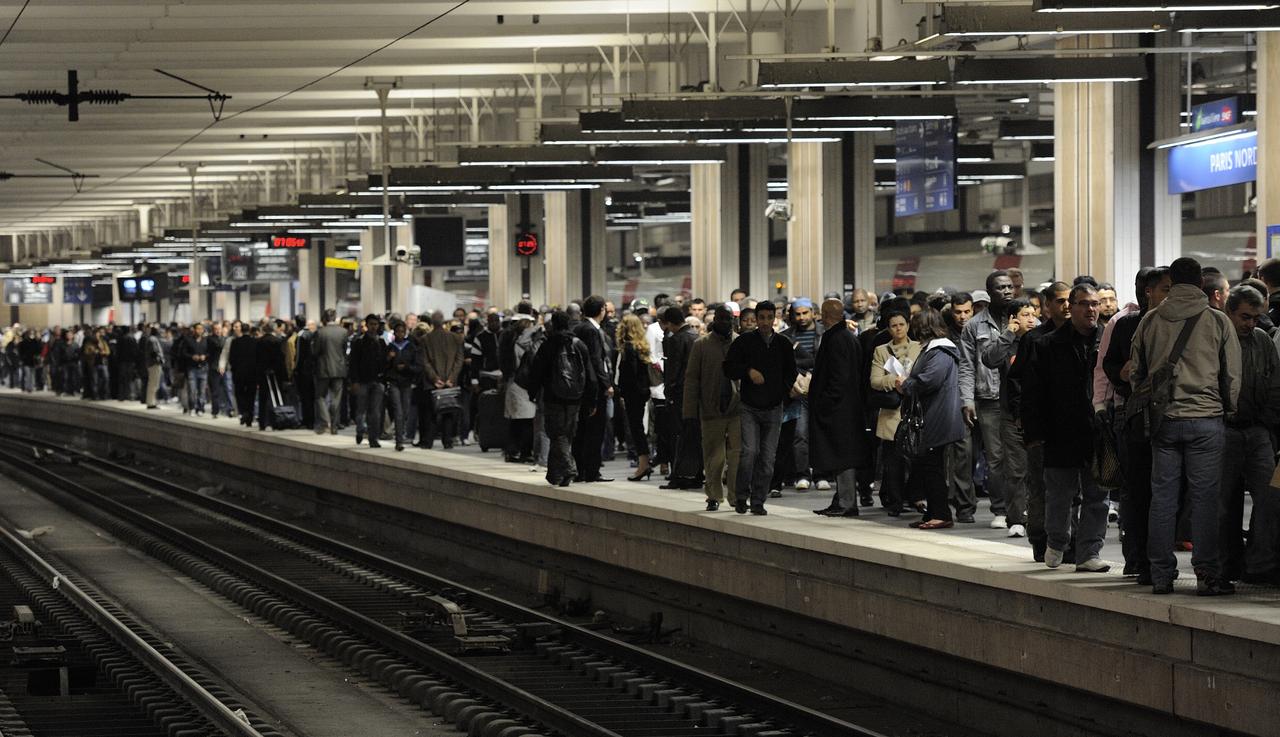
[(765, 365)]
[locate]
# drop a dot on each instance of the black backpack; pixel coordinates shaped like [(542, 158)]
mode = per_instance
[(525, 366), (569, 377)]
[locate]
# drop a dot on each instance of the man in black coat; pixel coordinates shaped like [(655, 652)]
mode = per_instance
[(589, 439), (686, 470), (764, 364), (1057, 412), (838, 439), (269, 360)]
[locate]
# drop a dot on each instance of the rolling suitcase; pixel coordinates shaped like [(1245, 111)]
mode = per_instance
[(282, 416), (491, 422)]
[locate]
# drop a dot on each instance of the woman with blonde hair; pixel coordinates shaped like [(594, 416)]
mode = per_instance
[(633, 385)]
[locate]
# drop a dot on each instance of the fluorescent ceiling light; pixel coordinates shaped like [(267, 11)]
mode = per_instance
[(428, 188), (542, 187), (1201, 138), (1020, 100), (864, 109), (901, 73), (773, 139), (1143, 6), (816, 129), (522, 156), (657, 155), (1048, 71)]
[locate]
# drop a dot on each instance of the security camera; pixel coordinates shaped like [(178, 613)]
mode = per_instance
[(778, 210), (408, 254)]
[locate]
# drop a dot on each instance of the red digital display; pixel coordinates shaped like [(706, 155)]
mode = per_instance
[(185, 279), (42, 279), (290, 241), (527, 244)]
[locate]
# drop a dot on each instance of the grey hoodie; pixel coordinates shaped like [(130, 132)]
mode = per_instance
[(1207, 380)]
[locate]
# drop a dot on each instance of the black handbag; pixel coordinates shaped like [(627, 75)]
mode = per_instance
[(447, 400), (884, 399), (909, 439)]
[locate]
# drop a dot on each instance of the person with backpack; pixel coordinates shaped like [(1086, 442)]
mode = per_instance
[(563, 377), (1192, 356)]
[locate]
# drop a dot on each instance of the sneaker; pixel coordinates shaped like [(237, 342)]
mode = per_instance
[(1093, 565), (1000, 522), (802, 485), (1017, 531), (1052, 558), (1214, 587), (824, 485), (712, 505), (1113, 512), (775, 493)]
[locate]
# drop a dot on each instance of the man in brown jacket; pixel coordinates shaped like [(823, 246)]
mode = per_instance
[(440, 400), (713, 399)]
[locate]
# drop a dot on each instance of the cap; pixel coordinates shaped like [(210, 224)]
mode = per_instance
[(980, 295), (802, 302), (639, 303)]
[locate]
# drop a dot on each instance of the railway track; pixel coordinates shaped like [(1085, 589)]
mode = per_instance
[(78, 666), (491, 667)]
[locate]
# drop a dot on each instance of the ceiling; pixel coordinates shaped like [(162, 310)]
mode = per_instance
[(301, 114)]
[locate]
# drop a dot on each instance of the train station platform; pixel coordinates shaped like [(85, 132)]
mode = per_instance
[(1206, 662)]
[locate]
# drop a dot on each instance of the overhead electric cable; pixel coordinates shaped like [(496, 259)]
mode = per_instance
[(9, 30), (259, 106)]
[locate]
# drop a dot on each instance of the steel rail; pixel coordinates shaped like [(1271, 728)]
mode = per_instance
[(172, 676), (438, 661), (782, 710)]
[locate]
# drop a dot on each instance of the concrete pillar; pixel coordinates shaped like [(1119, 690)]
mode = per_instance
[(815, 259), (729, 231), (860, 230), (504, 264), (144, 220), (373, 279), (313, 291), (1096, 177), (715, 227), (563, 247), (1268, 121), (1165, 237)]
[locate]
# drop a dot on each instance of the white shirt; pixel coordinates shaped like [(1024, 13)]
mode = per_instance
[(654, 334)]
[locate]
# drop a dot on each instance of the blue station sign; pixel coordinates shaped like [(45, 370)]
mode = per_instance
[(1216, 114), (77, 290), (1218, 162)]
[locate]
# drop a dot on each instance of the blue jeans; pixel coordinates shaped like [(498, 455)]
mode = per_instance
[(368, 409), (760, 429), (197, 383), (101, 382), (1192, 449), (401, 401), (1060, 487)]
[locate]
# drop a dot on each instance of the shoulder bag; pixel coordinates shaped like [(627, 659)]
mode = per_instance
[(1145, 407), (909, 439)]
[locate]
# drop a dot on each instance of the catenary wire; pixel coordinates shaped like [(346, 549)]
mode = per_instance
[(443, 14)]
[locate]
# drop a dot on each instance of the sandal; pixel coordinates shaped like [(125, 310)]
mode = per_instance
[(937, 524)]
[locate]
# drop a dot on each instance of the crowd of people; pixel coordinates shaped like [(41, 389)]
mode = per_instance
[(1068, 410)]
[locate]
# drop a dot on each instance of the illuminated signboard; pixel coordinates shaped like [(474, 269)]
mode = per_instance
[(290, 241), (1216, 114), (42, 279), (527, 244), (1216, 162)]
